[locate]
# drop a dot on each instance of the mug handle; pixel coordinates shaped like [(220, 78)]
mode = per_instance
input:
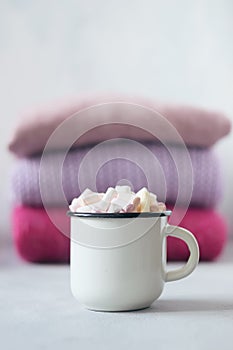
[(192, 244)]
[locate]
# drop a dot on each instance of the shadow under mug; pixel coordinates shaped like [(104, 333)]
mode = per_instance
[(118, 261)]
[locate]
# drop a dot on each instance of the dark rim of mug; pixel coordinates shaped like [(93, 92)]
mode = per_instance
[(120, 215)]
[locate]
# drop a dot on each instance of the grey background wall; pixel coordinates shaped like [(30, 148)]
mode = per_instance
[(173, 50)]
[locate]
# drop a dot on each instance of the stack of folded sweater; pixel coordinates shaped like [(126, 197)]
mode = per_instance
[(117, 141)]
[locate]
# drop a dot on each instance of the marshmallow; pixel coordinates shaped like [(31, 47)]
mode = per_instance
[(114, 208), (130, 208), (119, 199), (124, 189), (101, 206), (92, 198), (153, 199), (159, 207), (154, 208), (123, 199), (144, 196), (162, 206), (85, 209), (136, 203), (110, 194), (76, 203), (134, 207)]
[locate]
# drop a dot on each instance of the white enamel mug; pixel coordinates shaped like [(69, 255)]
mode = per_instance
[(118, 261)]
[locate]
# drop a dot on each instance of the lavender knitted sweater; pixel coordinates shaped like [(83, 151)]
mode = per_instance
[(120, 162)]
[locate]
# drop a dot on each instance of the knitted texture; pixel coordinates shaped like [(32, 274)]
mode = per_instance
[(115, 116), (117, 162), (37, 239)]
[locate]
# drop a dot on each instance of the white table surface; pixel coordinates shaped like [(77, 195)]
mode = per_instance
[(37, 311)]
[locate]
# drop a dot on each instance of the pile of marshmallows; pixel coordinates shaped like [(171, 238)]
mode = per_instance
[(117, 200)]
